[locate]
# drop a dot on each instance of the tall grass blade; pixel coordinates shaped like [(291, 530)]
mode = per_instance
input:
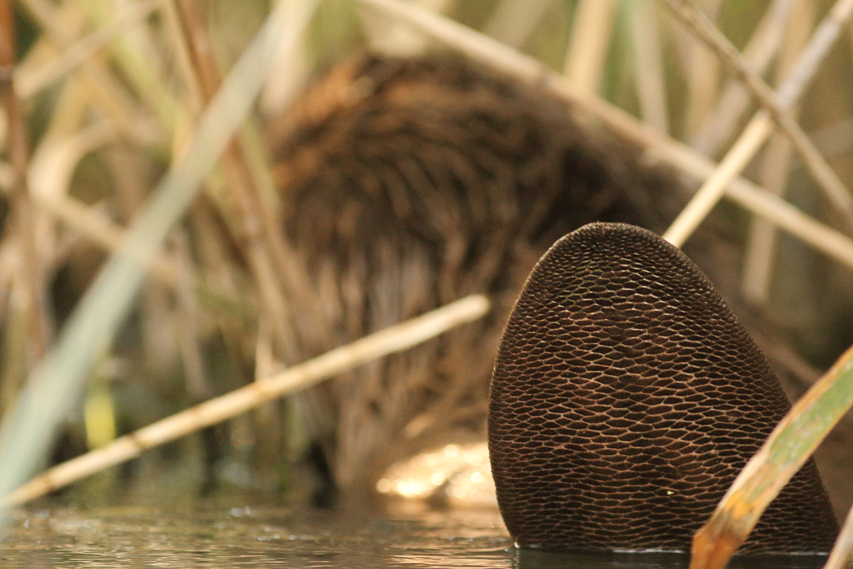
[(784, 452), (52, 388)]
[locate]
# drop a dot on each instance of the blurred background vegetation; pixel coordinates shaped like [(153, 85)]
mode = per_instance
[(111, 90)]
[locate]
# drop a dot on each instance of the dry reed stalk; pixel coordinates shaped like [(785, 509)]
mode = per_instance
[(98, 229), (75, 55), (759, 128), (589, 44), (512, 22), (189, 321), (52, 167), (672, 152), (139, 63), (207, 236), (839, 557), (764, 204), (106, 93), (261, 236), (183, 59), (704, 200), (759, 254), (734, 100), (390, 340), (26, 430), (783, 453), (823, 174), (648, 65), (701, 70), (32, 273), (219, 273)]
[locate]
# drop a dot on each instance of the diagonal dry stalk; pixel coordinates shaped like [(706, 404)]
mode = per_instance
[(50, 391), (256, 225), (82, 50), (760, 127), (839, 557), (110, 96), (734, 100), (648, 66), (759, 256), (784, 452), (512, 22), (822, 172), (266, 251), (672, 152), (591, 31), (390, 340)]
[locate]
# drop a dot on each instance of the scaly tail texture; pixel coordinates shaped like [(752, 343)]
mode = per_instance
[(626, 398)]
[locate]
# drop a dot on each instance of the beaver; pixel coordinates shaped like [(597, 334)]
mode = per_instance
[(408, 183)]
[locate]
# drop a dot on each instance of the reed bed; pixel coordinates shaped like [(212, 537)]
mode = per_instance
[(143, 265)]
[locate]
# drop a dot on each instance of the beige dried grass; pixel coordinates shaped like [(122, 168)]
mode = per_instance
[(393, 339), (673, 152), (27, 428), (126, 91)]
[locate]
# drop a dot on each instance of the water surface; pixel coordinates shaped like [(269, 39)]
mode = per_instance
[(218, 534)]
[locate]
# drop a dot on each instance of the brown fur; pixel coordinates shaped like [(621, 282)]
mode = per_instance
[(410, 183)]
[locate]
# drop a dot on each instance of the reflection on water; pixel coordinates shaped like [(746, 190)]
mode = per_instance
[(222, 535), (458, 475)]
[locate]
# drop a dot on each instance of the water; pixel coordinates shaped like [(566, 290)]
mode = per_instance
[(218, 534)]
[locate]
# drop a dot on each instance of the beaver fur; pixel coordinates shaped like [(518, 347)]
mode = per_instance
[(409, 183)]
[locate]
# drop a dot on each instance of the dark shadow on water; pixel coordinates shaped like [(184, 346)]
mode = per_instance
[(533, 559)]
